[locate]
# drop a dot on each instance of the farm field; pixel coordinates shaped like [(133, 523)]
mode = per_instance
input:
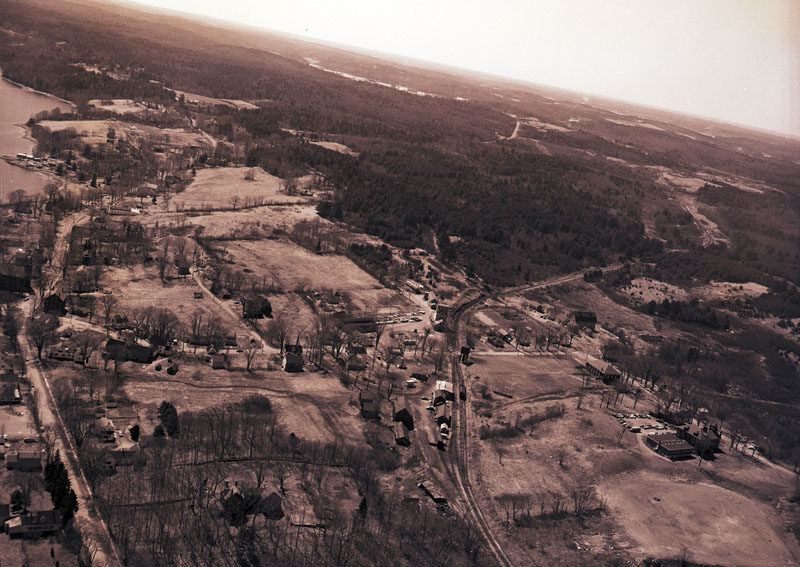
[(225, 187), (657, 508), (524, 376), (312, 405), (293, 267), (95, 131)]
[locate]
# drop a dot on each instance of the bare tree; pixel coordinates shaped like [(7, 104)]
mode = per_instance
[(42, 331), (108, 303), (87, 342), (250, 349), (281, 473), (582, 498), (277, 331), (196, 324)]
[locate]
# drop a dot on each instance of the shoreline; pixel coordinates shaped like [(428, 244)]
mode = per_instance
[(32, 90)]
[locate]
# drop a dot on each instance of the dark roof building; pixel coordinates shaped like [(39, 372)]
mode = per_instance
[(669, 445), (124, 351), (15, 278), (401, 433), (705, 440), (25, 461), (405, 416), (605, 371), (292, 358), (34, 523), (54, 305), (256, 307), (585, 319), (9, 394)]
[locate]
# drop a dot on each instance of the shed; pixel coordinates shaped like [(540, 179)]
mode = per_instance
[(25, 461), (584, 319), (434, 492), (369, 406), (401, 434)]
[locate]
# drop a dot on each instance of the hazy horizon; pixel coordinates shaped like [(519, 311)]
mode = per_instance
[(734, 61)]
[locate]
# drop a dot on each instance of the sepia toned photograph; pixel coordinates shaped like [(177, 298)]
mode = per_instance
[(396, 284)]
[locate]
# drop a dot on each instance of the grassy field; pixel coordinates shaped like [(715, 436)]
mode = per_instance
[(655, 507), (139, 288), (218, 187), (525, 376), (312, 405), (292, 267), (95, 131)]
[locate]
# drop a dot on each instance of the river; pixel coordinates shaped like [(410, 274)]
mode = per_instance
[(17, 104)]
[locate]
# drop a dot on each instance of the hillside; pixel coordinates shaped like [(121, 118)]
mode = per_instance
[(580, 183)]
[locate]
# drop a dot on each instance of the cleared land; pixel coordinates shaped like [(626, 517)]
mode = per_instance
[(95, 132), (218, 187)]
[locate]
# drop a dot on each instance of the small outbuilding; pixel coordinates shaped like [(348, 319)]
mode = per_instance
[(24, 461), (585, 319), (401, 434)]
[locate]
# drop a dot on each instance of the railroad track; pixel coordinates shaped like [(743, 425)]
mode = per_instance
[(457, 461)]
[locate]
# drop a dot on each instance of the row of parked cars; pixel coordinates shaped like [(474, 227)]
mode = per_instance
[(623, 420)]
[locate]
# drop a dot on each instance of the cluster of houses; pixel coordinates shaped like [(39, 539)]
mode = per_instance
[(21, 522), (237, 501), (685, 442)]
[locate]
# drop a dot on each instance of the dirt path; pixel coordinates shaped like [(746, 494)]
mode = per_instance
[(250, 332), (712, 235), (62, 243)]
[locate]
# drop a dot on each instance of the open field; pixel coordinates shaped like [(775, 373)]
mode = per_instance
[(291, 266), (336, 147), (95, 131), (313, 406), (225, 223), (659, 507), (525, 376), (218, 187), (201, 100), (662, 516), (121, 105), (139, 288)]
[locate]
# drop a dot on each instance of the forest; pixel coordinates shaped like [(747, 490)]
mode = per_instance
[(504, 211)]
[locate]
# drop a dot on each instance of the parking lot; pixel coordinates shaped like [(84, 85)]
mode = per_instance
[(640, 422)]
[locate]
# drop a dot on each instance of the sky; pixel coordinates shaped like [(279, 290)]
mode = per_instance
[(733, 60)]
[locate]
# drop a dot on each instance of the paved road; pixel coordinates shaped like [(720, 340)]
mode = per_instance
[(87, 517)]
